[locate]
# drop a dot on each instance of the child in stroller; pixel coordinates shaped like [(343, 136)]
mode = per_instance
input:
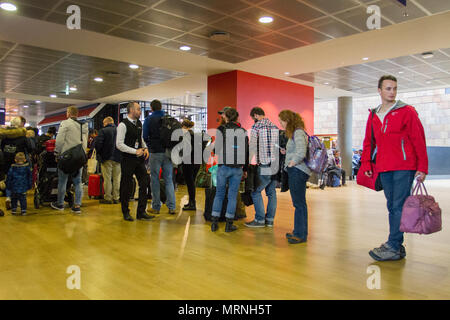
[(46, 188)]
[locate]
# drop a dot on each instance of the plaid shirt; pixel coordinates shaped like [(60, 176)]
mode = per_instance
[(264, 137)]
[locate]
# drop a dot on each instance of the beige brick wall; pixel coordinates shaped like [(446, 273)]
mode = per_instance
[(433, 107)]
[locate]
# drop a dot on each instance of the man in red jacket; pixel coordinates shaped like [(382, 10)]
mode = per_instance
[(400, 156)]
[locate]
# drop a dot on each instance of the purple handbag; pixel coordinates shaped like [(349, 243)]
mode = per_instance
[(421, 213)]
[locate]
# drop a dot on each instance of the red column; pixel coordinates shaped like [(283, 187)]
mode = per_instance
[(244, 91)]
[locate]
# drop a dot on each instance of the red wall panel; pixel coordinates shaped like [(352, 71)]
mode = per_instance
[(273, 95), (222, 90), (244, 91)]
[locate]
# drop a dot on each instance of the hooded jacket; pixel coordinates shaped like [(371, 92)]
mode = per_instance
[(238, 147), (399, 141)]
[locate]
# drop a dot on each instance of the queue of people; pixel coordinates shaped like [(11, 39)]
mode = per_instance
[(126, 151)]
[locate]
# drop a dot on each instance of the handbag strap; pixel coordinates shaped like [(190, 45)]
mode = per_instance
[(372, 137), (418, 189)]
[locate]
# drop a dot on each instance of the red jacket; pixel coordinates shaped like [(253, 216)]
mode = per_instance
[(399, 140)]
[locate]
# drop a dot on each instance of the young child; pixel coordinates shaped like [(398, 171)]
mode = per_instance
[(18, 181)]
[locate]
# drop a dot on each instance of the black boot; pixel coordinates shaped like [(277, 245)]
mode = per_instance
[(229, 227), (214, 224), (191, 206)]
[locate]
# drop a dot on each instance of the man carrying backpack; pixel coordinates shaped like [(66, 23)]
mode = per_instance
[(159, 158), (263, 138), (71, 134)]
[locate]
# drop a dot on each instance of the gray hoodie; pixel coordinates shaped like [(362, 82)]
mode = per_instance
[(69, 136)]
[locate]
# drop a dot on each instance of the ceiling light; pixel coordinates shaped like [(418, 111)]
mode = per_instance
[(53, 96), (134, 66), (185, 48), (401, 72), (327, 83), (427, 55), (428, 82), (25, 106), (287, 73), (8, 6), (365, 58), (266, 19), (73, 88), (98, 79)]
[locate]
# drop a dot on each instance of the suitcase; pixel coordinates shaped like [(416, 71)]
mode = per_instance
[(95, 186)]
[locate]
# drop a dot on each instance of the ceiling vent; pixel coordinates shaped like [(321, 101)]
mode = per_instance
[(219, 36)]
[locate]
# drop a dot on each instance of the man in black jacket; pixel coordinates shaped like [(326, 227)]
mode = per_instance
[(159, 159), (109, 157)]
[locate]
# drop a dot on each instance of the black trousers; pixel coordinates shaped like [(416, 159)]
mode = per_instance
[(190, 173), (133, 166)]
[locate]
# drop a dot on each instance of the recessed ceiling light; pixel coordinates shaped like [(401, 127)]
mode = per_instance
[(365, 58), (73, 89), (98, 79), (266, 19), (287, 73), (38, 101), (428, 82), (134, 66), (25, 106), (427, 55), (53, 96), (185, 48), (401, 72), (327, 83), (8, 6)]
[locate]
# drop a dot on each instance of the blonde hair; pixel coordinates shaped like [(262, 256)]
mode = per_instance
[(16, 122), (293, 121), (108, 120), (73, 111), (20, 157)]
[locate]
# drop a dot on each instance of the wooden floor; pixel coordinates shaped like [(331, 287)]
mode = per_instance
[(177, 257)]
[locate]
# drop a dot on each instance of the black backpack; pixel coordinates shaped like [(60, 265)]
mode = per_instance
[(168, 126)]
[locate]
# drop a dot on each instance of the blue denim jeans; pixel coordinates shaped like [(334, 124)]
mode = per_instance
[(397, 187), (232, 177), (158, 161), (62, 185), (19, 197), (297, 188), (269, 185)]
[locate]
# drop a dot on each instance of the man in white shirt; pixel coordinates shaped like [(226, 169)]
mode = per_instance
[(134, 152)]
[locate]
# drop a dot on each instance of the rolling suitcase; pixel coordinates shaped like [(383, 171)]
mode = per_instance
[(95, 186)]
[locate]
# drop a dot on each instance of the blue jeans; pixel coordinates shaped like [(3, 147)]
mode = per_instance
[(62, 185), (269, 185), (233, 177), (397, 187), (19, 197), (158, 161), (297, 188)]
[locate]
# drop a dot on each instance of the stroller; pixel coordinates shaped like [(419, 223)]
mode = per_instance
[(331, 177), (46, 186)]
